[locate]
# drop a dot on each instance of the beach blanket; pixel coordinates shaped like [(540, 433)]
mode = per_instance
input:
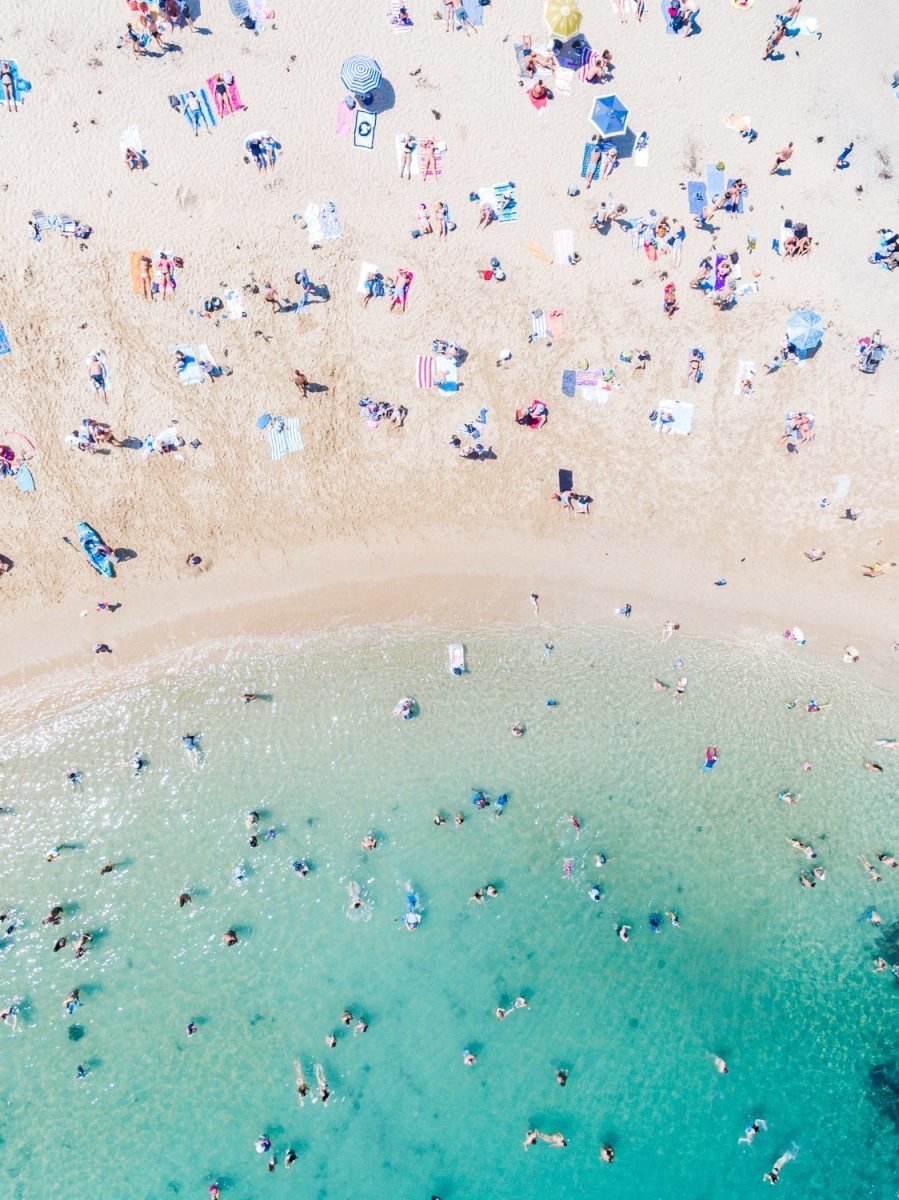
[(135, 257), (191, 372), (344, 120), (364, 271), (284, 437), (589, 147), (674, 418), (364, 130), (743, 194), (20, 87), (129, 139), (439, 151), (206, 115), (330, 221), (715, 179), (540, 73), (501, 198), (564, 80), (563, 246), (314, 231), (234, 308), (414, 164), (721, 281), (697, 196), (555, 323), (5, 347), (232, 93), (641, 157), (446, 373), (538, 325), (804, 25), (745, 370), (475, 12), (424, 371), (395, 20)]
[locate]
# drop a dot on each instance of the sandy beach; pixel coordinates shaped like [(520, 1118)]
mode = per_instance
[(387, 524)]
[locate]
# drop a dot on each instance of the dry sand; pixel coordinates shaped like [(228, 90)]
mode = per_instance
[(382, 524)]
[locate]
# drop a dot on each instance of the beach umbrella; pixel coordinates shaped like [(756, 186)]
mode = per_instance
[(804, 329), (360, 75), (563, 17), (609, 116)]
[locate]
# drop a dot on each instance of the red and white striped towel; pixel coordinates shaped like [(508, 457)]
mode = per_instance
[(424, 372)]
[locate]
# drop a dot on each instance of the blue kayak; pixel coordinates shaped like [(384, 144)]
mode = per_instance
[(96, 550)]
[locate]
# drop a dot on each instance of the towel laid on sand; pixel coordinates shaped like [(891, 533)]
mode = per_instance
[(284, 437), (231, 92), (364, 130)]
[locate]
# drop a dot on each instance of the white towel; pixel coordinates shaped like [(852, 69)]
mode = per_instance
[(415, 164), (233, 305), (641, 157), (564, 80), (806, 25), (365, 270), (129, 139), (538, 325), (563, 246), (745, 370), (313, 226)]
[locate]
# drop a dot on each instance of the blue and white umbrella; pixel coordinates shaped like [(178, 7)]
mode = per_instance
[(804, 329), (360, 75), (609, 116)]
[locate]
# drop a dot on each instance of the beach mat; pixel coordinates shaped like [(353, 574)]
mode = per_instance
[(312, 218), (492, 195), (566, 479), (205, 108), (641, 157), (364, 271), (683, 418), (284, 440), (364, 130), (446, 373), (424, 371), (129, 139), (563, 246), (134, 263), (344, 119), (5, 347), (697, 196), (555, 323), (330, 221), (715, 179), (233, 96), (538, 325), (745, 370), (564, 80), (24, 478)]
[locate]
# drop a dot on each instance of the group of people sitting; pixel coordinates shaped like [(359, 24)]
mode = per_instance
[(264, 150), (397, 288), (533, 416), (92, 435), (376, 411), (798, 241), (887, 253), (573, 501)]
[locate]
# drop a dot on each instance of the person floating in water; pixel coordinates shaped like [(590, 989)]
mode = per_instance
[(191, 743), (74, 778), (404, 708), (263, 1144), (773, 1176), (289, 1157), (500, 805), (137, 763), (321, 1084), (72, 1001), (751, 1130), (301, 1085)]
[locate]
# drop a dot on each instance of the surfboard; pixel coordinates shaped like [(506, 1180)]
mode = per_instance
[(24, 478)]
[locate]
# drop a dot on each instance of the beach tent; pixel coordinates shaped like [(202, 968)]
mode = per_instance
[(609, 116)]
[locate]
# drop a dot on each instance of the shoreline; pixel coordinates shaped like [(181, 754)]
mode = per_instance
[(336, 587)]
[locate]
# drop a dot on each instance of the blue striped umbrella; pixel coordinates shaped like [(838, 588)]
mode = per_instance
[(609, 116), (805, 329), (360, 74)]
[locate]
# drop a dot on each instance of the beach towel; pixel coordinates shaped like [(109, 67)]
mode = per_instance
[(641, 157), (568, 383), (100, 356), (239, 9), (364, 130), (314, 231), (742, 124), (364, 271), (589, 147), (540, 73), (804, 25), (681, 418), (563, 246), (555, 323), (415, 164), (625, 6), (715, 178), (136, 256), (669, 23), (206, 115), (20, 87), (439, 151), (739, 208), (398, 25), (401, 294), (191, 372), (540, 253), (446, 373), (24, 478), (344, 120), (232, 93), (284, 437), (745, 370), (501, 198), (475, 12), (330, 221), (234, 308), (721, 281), (5, 347), (538, 325), (697, 196), (129, 139), (424, 371), (564, 80)]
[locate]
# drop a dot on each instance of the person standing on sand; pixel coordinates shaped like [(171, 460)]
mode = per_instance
[(781, 157)]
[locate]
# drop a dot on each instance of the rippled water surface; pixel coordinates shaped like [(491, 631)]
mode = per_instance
[(775, 978)]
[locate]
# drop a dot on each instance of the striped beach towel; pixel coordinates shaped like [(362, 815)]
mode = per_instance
[(4, 340), (538, 325), (284, 437), (205, 115), (564, 80), (427, 173), (563, 246), (501, 198), (555, 321), (330, 220), (424, 371)]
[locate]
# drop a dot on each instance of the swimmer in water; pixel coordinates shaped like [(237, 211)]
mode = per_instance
[(81, 944), (346, 1017), (720, 1064), (789, 797), (492, 890), (247, 697), (499, 806), (806, 881), (872, 766), (879, 964), (576, 825), (819, 873), (272, 1163), (301, 1084), (53, 916), (191, 743), (500, 1013), (887, 743), (607, 1154), (184, 898), (655, 922), (9, 1017), (289, 1158), (517, 730), (547, 650), (888, 860), (600, 860), (566, 868), (74, 778), (263, 1145), (531, 1138), (680, 688), (230, 938), (107, 868), (458, 819), (773, 1175), (71, 1002), (657, 685), (873, 916), (673, 918), (553, 1139), (751, 1131), (623, 931), (191, 1028), (137, 763), (59, 944), (561, 1077), (369, 842), (251, 820), (439, 818), (595, 893), (872, 874), (477, 897), (214, 1192), (322, 1084), (300, 866), (803, 847), (469, 1059)]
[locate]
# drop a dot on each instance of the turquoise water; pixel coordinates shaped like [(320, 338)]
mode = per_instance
[(775, 978)]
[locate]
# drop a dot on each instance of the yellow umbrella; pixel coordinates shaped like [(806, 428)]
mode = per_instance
[(563, 17)]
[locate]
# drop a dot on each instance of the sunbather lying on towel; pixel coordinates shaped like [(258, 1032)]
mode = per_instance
[(534, 416)]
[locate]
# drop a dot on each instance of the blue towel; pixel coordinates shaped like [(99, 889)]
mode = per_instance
[(669, 24), (568, 384), (208, 116), (739, 207), (715, 178), (5, 347), (239, 8), (510, 212), (585, 161), (475, 12), (697, 196), (20, 86)]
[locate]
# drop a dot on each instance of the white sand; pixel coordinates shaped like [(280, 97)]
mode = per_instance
[(396, 508)]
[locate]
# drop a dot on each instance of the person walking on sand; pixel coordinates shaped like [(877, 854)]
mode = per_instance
[(781, 157)]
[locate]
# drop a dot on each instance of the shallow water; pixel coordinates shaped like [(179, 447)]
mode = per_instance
[(775, 978)]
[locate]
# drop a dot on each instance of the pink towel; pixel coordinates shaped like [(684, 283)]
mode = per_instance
[(232, 93), (344, 120), (425, 371), (537, 101), (555, 320)]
